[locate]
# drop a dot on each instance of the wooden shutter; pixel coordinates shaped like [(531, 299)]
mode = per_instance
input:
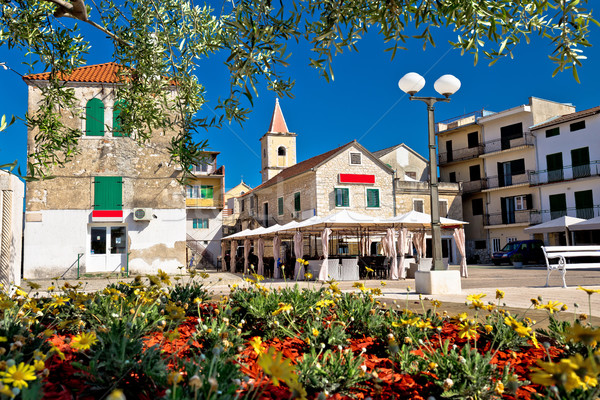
[(372, 197), (94, 118), (529, 201), (117, 109), (280, 206), (504, 210), (206, 192), (517, 167), (108, 193), (297, 202)]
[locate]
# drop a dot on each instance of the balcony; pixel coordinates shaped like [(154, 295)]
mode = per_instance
[(494, 146), (518, 217), (203, 203), (493, 182), (474, 186), (585, 213), (460, 154), (564, 174), (462, 120)]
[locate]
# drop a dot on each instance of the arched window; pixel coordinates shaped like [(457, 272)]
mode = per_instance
[(117, 109), (281, 151), (94, 118)]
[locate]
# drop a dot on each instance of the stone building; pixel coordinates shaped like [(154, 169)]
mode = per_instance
[(117, 205)]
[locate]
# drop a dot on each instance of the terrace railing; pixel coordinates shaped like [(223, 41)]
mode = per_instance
[(496, 145), (517, 217), (567, 173)]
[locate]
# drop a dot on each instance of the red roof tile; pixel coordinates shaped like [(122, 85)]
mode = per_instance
[(277, 124), (568, 117), (100, 73)]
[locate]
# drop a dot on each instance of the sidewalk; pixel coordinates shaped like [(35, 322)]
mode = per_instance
[(519, 285)]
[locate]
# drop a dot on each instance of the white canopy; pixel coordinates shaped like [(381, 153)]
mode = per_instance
[(418, 219), (243, 233), (556, 225), (590, 224)]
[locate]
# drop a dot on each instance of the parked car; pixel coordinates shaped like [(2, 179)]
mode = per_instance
[(530, 251)]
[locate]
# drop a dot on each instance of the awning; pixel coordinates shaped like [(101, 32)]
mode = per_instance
[(556, 225), (585, 225)]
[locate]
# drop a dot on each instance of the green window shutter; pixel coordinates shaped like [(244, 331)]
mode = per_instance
[(280, 206), (108, 193), (205, 223), (94, 118), (372, 197), (206, 192), (117, 109), (297, 201), (195, 223)]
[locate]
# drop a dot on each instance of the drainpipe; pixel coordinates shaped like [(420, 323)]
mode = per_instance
[(6, 238), (394, 191)]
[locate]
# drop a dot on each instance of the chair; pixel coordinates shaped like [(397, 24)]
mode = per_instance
[(333, 268), (349, 269)]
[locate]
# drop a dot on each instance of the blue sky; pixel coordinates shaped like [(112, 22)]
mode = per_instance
[(362, 103)]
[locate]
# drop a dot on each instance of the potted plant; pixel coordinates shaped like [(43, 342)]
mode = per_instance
[(517, 260)]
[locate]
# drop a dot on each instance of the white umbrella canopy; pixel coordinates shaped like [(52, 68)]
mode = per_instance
[(243, 233), (555, 225), (341, 218), (589, 224), (421, 220)]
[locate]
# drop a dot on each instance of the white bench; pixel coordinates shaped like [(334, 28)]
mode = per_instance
[(565, 252)]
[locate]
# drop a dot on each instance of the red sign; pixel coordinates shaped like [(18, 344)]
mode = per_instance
[(107, 215), (357, 178)]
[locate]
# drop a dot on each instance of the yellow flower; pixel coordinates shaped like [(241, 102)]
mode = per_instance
[(376, 291), (164, 277), (256, 343), (58, 301), (432, 365), (574, 372), (18, 375), (258, 278), (488, 328), (315, 332), (461, 317), (116, 394), (39, 365), (423, 324), (276, 367), (551, 306), (589, 291), (323, 303), (499, 294), (383, 283), (283, 307), (473, 297), (174, 378), (467, 329), (360, 286), (477, 304), (535, 302), (308, 276), (499, 389), (3, 339), (84, 341), (369, 269), (436, 303), (586, 335)]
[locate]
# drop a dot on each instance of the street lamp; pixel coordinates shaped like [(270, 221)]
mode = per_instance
[(446, 85)]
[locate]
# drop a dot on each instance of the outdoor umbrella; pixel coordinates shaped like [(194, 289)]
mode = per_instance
[(246, 252), (590, 224), (391, 238), (276, 251), (324, 272), (261, 252), (299, 252), (459, 238), (562, 224), (402, 249), (232, 256)]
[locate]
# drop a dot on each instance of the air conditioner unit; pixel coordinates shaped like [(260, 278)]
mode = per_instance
[(142, 214)]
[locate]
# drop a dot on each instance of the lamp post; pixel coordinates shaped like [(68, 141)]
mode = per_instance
[(446, 85)]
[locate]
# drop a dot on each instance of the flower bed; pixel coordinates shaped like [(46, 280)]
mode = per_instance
[(152, 340)]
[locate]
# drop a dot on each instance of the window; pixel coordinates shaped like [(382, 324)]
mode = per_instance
[(520, 203), (477, 206), (280, 206), (355, 158), (411, 174), (480, 245), (108, 193), (449, 154), (200, 223), (252, 203), (443, 208), (342, 197), (473, 140), (495, 244), (554, 163), (507, 133), (372, 198), (117, 109), (418, 205), (297, 205), (206, 191), (193, 192), (580, 158), (558, 205), (94, 118), (511, 239), (243, 205), (584, 204), (552, 132), (506, 170), (474, 173), (452, 176), (281, 151), (576, 126)]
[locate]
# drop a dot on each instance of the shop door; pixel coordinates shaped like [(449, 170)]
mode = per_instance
[(108, 249)]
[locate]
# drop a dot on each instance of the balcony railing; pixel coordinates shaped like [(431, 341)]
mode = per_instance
[(210, 203), (460, 154), (585, 213), (564, 174), (474, 186), (507, 180), (518, 217), (497, 145), (461, 120)]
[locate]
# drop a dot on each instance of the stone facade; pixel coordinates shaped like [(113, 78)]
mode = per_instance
[(60, 223), (11, 229)]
